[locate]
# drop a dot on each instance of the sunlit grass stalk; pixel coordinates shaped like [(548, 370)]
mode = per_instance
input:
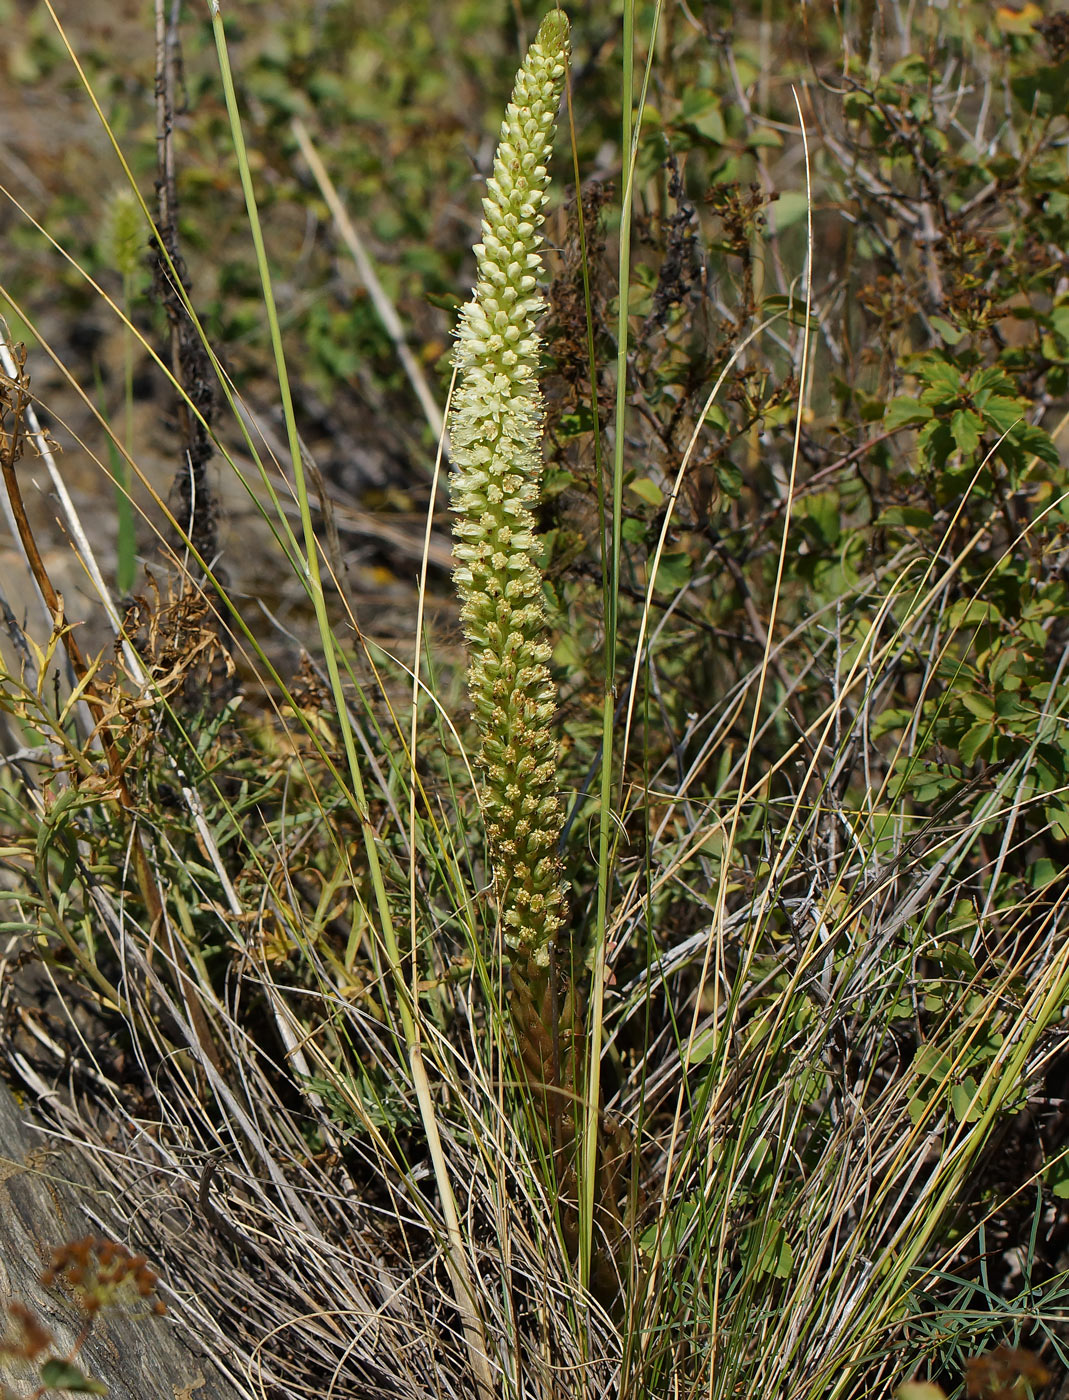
[(612, 540), (124, 237)]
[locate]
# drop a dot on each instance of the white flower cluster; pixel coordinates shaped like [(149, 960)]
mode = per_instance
[(496, 435)]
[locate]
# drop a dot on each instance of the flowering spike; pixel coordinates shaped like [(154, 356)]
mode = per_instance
[(496, 429)]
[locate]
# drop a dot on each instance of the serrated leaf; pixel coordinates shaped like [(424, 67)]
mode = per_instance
[(1039, 443), (943, 380), (1003, 414), (991, 380), (966, 427)]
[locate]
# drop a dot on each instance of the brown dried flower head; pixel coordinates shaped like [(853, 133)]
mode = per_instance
[(100, 1273), (25, 1336)]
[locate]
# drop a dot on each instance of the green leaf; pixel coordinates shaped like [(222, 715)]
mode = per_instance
[(911, 69), (673, 573), (1045, 91), (556, 480), (1006, 658), (978, 705), (1056, 1175), (57, 1374), (1009, 708), (766, 1250), (824, 510), (1039, 443), (1058, 817), (920, 1390), (665, 1241), (792, 307), (703, 1047), (943, 380), (702, 113), (648, 491), (966, 427), (951, 334), (905, 411), (991, 380), (966, 1107), (891, 719), (571, 425), (909, 516), (729, 478), (931, 1063), (1042, 873), (974, 739), (971, 612), (789, 208), (956, 959), (1003, 414), (444, 301)]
